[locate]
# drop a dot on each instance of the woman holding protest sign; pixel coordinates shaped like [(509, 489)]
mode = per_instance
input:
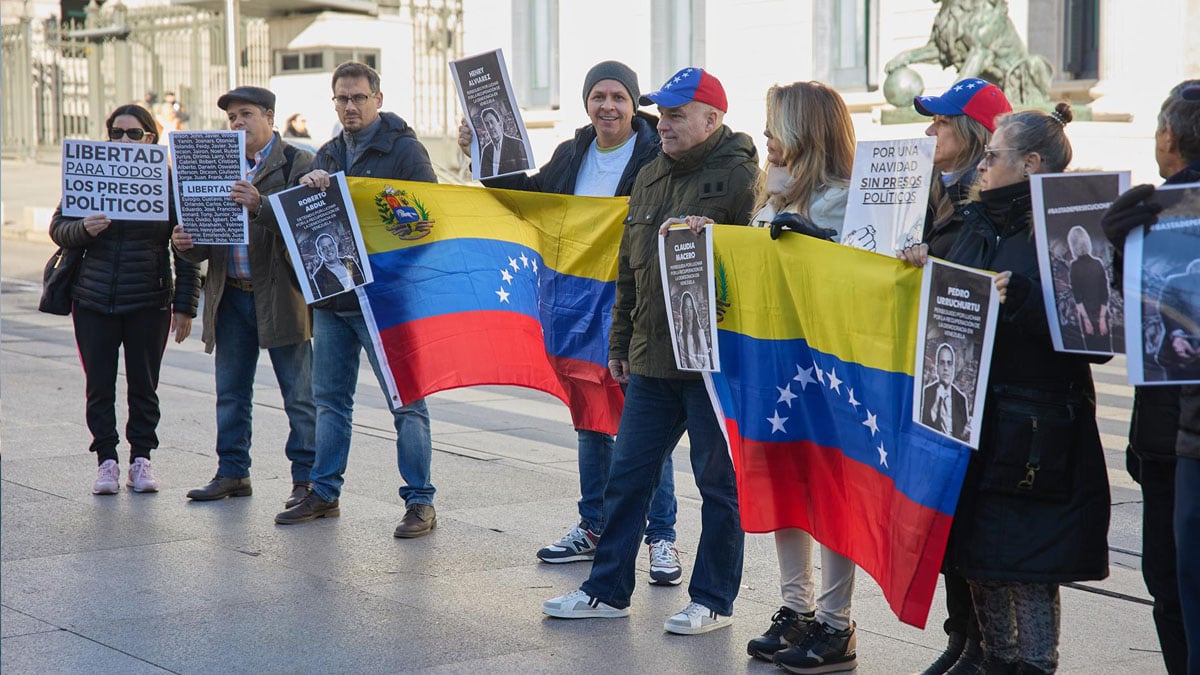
[(122, 299), (810, 154), (1034, 509)]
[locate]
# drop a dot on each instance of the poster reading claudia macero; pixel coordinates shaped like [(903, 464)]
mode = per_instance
[(957, 326), (124, 181), (889, 192), (207, 164), (689, 289)]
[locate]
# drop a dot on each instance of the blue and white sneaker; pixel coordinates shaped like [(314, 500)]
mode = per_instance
[(665, 569), (580, 605), (696, 619), (577, 545)]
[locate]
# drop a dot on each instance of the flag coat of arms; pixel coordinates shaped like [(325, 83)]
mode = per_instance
[(477, 286), (815, 390)]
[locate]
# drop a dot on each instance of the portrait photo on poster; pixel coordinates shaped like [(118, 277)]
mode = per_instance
[(1162, 291), (500, 143), (689, 290), (957, 326), (1075, 260)]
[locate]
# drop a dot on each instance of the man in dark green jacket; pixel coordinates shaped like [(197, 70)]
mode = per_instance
[(705, 174)]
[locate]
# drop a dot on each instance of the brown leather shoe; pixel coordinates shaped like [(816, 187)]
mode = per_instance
[(299, 492), (311, 508), (221, 487), (419, 520)]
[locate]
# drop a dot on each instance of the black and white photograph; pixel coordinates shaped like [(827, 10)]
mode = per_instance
[(500, 142), (206, 165), (959, 306), (685, 260), (1075, 259), (125, 181), (889, 191), (321, 230), (1162, 288)]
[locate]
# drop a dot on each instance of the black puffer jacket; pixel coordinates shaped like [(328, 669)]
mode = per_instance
[(1040, 410), (558, 176), (395, 153), (127, 267)]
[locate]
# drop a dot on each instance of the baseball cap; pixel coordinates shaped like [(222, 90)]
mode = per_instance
[(255, 95), (978, 99), (689, 84), (1191, 93)]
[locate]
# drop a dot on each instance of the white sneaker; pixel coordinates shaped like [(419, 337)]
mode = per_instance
[(108, 478), (665, 569), (696, 619), (580, 605), (140, 478)]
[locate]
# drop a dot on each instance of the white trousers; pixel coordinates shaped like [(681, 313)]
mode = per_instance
[(794, 547)]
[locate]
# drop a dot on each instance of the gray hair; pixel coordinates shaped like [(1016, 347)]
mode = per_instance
[(1183, 118)]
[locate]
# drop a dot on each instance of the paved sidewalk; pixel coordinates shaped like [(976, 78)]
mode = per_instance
[(151, 583)]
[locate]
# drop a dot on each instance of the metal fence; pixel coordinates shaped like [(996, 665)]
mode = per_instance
[(60, 81)]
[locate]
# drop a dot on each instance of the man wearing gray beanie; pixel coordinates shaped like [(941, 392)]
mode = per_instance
[(602, 160)]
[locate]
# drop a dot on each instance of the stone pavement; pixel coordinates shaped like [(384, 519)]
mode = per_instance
[(151, 583)]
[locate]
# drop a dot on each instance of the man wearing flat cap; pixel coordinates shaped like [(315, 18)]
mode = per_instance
[(705, 174), (252, 301)]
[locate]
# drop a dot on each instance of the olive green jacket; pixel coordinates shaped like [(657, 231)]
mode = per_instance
[(714, 179)]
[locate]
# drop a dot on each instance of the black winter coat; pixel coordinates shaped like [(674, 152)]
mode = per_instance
[(127, 267), (394, 153), (941, 236), (1049, 525), (1187, 443), (558, 176)]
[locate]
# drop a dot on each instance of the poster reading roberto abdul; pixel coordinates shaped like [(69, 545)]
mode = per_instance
[(689, 288)]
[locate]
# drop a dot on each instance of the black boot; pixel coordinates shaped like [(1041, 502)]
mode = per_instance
[(954, 649), (970, 662), (993, 666)]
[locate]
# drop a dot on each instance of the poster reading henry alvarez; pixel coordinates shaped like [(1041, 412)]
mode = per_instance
[(1162, 292), (689, 287), (500, 143), (959, 306), (321, 231), (889, 192), (207, 164), (124, 181)]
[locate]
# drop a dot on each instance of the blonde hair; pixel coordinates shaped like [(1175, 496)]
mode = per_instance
[(812, 125)]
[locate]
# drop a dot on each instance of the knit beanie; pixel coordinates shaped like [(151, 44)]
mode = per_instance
[(612, 70)]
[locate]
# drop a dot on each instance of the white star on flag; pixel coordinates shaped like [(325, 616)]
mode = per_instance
[(503, 295), (834, 382), (804, 377), (777, 423), (971, 85), (505, 275), (852, 401), (871, 423), (820, 374), (958, 88), (512, 262), (786, 395), (524, 260), (534, 263), (883, 456)]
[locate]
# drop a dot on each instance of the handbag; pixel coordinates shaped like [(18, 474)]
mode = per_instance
[(58, 278)]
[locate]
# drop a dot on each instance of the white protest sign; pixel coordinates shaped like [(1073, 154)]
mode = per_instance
[(889, 192), (124, 181)]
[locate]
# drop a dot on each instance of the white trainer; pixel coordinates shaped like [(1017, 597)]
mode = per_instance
[(696, 619), (580, 605), (108, 478), (140, 477), (665, 569)]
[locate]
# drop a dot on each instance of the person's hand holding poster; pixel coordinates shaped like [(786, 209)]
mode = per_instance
[(889, 191), (689, 289), (957, 326), (124, 181), (207, 164), (500, 143)]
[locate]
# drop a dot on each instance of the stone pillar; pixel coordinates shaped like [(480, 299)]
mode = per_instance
[(1134, 74)]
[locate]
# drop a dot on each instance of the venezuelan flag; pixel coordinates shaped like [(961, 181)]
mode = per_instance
[(475, 286), (816, 387)]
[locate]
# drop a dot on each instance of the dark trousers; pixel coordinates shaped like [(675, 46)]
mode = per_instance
[(960, 608), (1158, 560), (1187, 542), (100, 338)]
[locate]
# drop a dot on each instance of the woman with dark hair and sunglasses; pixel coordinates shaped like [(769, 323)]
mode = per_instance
[(123, 300)]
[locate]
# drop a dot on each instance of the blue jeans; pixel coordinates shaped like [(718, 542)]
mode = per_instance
[(338, 338), (1187, 552), (656, 412), (236, 364), (595, 458)]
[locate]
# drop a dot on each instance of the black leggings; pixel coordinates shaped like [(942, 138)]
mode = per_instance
[(99, 338)]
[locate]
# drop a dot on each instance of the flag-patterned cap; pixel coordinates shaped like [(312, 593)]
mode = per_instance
[(689, 84), (978, 99)]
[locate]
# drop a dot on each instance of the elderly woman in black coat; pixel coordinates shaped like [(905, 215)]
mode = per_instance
[(1034, 510)]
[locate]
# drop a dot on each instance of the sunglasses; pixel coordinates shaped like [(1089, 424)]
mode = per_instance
[(134, 134)]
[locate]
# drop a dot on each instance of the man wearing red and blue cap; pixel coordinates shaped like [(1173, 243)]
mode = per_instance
[(705, 174)]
